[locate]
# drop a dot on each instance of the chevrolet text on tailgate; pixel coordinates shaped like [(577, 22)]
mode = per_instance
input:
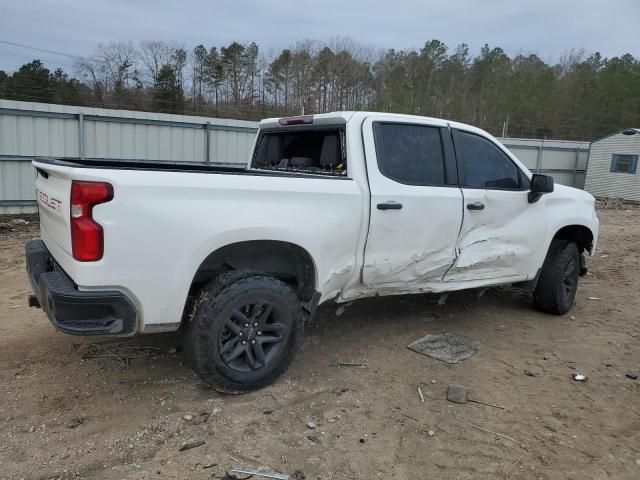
[(336, 206)]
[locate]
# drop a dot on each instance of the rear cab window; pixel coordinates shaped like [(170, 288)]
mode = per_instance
[(311, 150)]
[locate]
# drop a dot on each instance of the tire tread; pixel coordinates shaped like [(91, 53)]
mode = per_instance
[(204, 314), (547, 295)]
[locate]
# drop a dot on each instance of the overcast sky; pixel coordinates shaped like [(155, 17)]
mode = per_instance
[(545, 27)]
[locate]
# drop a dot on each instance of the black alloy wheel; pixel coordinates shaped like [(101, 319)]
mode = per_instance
[(253, 335), (245, 330)]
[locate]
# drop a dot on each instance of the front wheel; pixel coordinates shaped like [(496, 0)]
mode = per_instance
[(558, 282), (245, 331)]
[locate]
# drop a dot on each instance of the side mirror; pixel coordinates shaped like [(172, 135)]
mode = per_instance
[(540, 184)]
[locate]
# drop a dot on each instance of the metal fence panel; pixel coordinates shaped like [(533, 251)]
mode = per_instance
[(28, 130), (23, 135), (527, 156), (565, 161), (17, 193)]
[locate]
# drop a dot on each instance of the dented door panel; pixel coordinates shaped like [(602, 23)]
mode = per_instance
[(411, 247), (501, 240), (415, 245)]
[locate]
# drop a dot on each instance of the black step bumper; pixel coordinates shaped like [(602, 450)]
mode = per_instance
[(70, 310)]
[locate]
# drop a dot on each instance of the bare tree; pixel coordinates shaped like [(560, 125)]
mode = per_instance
[(155, 54)]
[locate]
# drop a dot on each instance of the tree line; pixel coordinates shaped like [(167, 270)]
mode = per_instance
[(578, 97)]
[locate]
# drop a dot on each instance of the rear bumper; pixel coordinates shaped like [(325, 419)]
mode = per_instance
[(70, 310)]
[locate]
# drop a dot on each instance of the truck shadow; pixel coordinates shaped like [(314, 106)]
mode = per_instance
[(405, 310), (337, 328)]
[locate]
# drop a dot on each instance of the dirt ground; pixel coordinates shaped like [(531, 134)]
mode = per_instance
[(66, 416)]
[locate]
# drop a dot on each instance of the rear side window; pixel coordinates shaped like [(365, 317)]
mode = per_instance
[(484, 164), (410, 154), (317, 151)]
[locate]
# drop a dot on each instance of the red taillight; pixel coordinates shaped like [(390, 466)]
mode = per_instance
[(299, 120), (87, 238)]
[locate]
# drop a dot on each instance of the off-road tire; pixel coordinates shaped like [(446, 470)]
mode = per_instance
[(558, 282), (214, 306)]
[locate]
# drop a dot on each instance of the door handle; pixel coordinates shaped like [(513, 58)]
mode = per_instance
[(475, 206), (389, 206)]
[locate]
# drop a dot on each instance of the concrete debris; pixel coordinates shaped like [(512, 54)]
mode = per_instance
[(457, 394), (311, 425), (446, 347)]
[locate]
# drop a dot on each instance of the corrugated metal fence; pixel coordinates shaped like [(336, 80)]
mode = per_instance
[(29, 130), (565, 161)]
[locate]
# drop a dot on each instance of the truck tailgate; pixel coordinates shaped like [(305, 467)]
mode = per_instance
[(53, 191)]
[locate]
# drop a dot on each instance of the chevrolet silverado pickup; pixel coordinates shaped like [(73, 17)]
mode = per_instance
[(336, 206)]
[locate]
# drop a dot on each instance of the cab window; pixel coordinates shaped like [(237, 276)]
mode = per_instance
[(410, 154), (484, 165), (317, 151)]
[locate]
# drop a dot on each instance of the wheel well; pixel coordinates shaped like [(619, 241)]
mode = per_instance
[(286, 261), (581, 235)]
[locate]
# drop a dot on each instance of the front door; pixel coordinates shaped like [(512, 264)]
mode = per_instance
[(500, 235), (416, 204)]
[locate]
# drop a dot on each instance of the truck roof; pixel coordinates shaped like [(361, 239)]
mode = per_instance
[(346, 116)]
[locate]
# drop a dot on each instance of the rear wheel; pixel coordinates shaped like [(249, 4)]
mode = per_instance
[(245, 331), (558, 282)]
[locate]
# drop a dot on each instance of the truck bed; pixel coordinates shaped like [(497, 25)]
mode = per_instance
[(144, 165), (163, 223), (188, 167)]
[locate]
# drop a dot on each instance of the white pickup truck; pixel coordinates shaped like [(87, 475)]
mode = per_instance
[(336, 206)]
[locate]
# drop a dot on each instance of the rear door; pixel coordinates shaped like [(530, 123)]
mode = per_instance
[(500, 231), (416, 204)]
